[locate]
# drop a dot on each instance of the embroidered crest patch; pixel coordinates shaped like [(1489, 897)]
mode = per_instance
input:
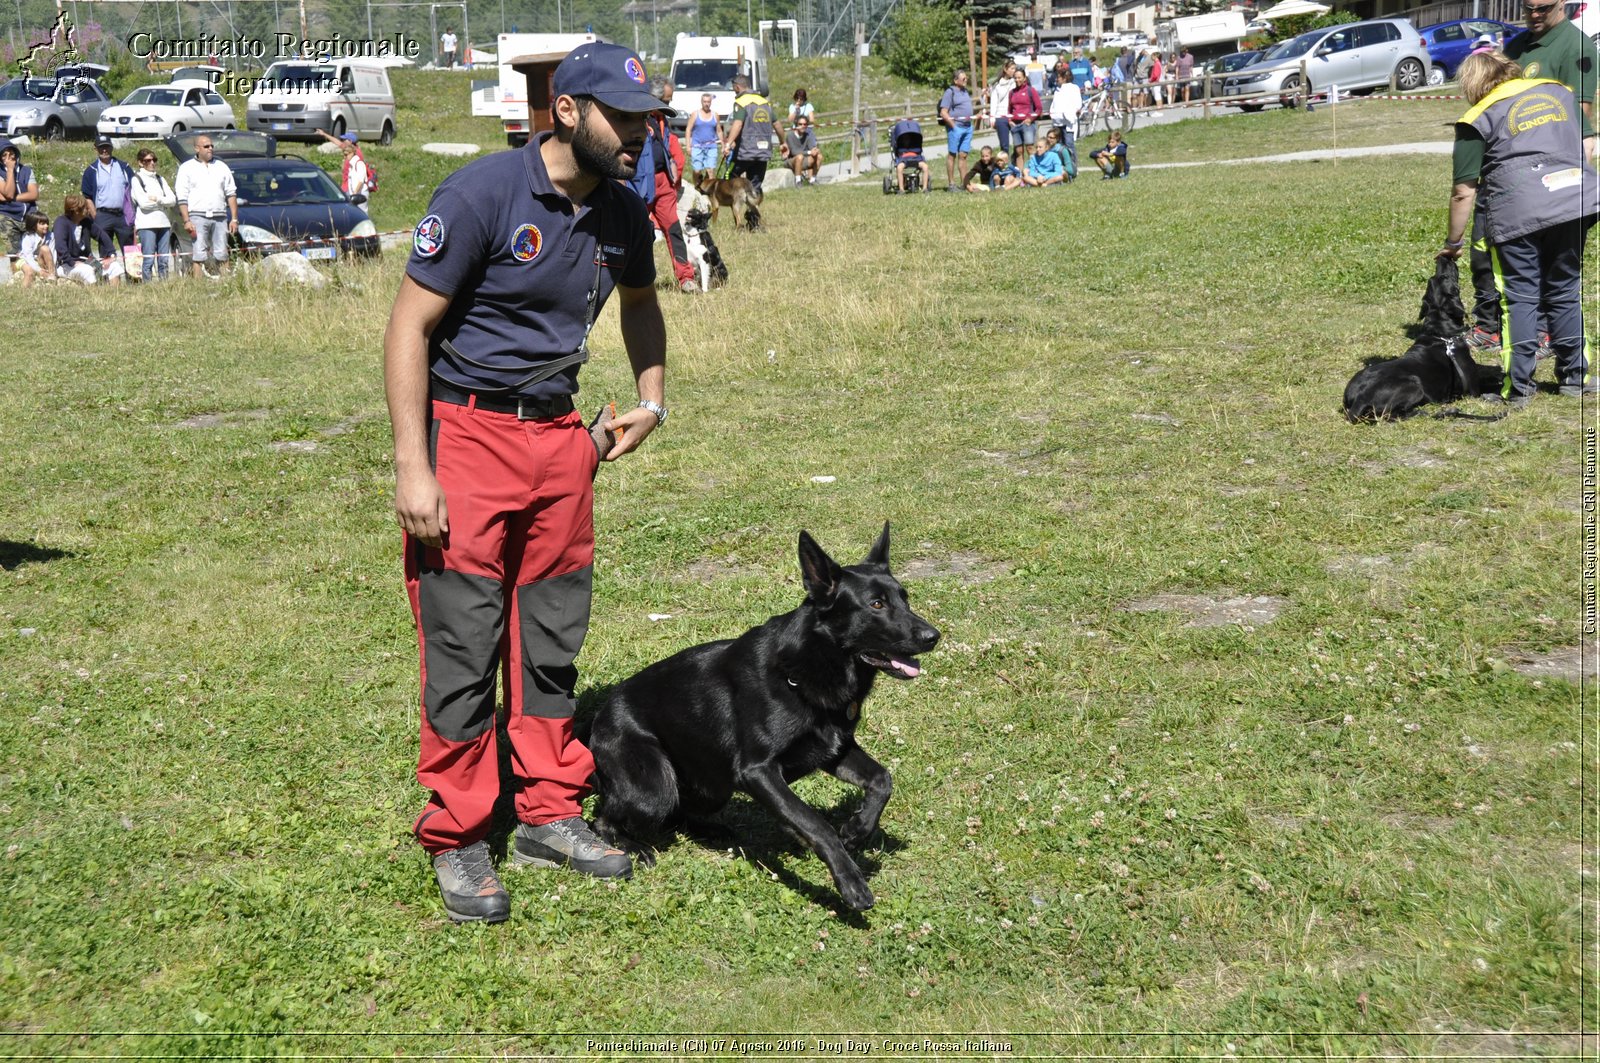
[(428, 239), (634, 69), (526, 242)]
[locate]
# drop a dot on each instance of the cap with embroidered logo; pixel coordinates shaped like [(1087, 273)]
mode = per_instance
[(610, 73)]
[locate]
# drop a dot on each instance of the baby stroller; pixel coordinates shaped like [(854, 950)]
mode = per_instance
[(906, 141)]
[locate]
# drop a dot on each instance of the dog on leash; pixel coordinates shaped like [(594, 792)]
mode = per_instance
[(707, 261), (757, 712), (1438, 367), (736, 193)]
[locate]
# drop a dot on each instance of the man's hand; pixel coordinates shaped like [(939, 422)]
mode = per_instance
[(630, 428), (419, 507)]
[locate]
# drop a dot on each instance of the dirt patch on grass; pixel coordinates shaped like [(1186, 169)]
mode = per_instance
[(226, 419), (1565, 663), (966, 567), (1417, 824), (1508, 1044), (1208, 610)]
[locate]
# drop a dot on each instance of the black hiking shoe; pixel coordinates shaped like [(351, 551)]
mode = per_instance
[(471, 890), (569, 843)]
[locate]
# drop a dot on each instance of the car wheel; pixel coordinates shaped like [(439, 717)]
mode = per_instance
[(1290, 86), (1251, 108), (230, 125), (338, 128), (1436, 76), (177, 127), (54, 130), (1409, 75), (387, 136)]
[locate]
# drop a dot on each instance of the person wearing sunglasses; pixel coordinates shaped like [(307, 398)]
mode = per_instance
[(1551, 47)]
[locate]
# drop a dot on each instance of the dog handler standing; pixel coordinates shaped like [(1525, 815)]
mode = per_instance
[(494, 467), (1522, 141)]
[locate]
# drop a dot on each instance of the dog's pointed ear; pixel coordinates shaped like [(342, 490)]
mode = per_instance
[(879, 554), (820, 572)]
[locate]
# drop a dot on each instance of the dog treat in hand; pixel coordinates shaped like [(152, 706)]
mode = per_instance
[(600, 430)]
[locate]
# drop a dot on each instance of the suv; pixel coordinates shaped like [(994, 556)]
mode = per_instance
[(1355, 55), (1450, 42)]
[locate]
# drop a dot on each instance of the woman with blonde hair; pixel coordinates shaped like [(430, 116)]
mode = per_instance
[(1521, 144)]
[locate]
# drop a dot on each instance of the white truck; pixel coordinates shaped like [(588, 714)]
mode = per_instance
[(507, 98), (1206, 36), (708, 64)]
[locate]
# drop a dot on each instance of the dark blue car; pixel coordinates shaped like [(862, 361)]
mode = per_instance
[(285, 202), (1450, 42)]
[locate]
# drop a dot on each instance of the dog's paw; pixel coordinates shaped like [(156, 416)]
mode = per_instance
[(856, 895), (857, 833)]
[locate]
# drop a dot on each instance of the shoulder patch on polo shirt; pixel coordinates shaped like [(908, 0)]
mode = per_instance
[(526, 242), (428, 239)]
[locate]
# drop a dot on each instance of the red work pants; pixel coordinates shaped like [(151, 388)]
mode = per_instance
[(508, 595), (664, 213)]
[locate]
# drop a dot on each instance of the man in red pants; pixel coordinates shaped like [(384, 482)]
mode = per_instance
[(664, 204), (494, 468)]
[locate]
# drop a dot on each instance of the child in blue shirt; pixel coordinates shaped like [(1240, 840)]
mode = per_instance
[(1044, 167), (1006, 176)]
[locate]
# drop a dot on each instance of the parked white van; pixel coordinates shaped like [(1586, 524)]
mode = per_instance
[(703, 65), (297, 97)]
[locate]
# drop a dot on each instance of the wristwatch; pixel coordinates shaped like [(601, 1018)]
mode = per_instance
[(656, 408)]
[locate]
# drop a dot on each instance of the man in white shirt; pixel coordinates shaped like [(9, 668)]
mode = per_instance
[(447, 50), (209, 205)]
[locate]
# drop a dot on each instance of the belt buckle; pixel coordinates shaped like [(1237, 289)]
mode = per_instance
[(526, 415)]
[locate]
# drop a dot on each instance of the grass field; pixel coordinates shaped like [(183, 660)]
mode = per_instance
[(1233, 745)]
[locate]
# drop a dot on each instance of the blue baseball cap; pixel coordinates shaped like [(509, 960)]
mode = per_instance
[(610, 73), (351, 137)]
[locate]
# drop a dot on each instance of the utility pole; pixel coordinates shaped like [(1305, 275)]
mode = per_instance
[(855, 105)]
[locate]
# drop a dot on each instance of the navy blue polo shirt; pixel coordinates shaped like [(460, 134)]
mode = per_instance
[(517, 259)]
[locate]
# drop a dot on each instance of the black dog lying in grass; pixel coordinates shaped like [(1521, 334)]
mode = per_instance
[(1437, 368), (757, 712)]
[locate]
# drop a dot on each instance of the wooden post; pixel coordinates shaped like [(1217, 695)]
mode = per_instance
[(983, 44), (855, 106), (1300, 94), (1205, 100), (972, 33)]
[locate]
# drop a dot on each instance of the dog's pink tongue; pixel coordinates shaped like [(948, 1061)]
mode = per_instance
[(905, 668)]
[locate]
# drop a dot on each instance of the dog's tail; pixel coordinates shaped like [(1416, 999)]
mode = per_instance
[(752, 217)]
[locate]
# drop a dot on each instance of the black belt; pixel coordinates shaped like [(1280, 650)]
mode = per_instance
[(526, 409)]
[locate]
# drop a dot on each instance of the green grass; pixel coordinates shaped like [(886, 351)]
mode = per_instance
[(1352, 830)]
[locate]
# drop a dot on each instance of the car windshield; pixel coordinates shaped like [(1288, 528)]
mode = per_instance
[(302, 75), (286, 185), (28, 89), (1294, 47), (155, 97), (696, 75)]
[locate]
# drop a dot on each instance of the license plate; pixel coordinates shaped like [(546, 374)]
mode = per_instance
[(280, 125), (319, 252)]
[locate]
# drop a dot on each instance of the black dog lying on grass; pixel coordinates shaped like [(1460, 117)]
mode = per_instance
[(1437, 368), (757, 712)]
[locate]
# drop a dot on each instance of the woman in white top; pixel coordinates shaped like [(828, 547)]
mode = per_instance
[(1000, 104), (801, 107), (152, 195)]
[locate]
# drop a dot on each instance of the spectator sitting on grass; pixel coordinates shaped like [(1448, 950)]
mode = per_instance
[(1069, 161), (1113, 158), (1044, 167), (70, 241), (35, 256), (1006, 176), (982, 172)]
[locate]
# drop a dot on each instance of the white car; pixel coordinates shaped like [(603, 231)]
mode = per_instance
[(155, 111)]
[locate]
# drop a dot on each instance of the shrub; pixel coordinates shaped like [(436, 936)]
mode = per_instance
[(927, 42)]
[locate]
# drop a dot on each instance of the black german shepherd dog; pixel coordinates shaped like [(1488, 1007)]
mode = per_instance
[(1437, 368), (757, 712)]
